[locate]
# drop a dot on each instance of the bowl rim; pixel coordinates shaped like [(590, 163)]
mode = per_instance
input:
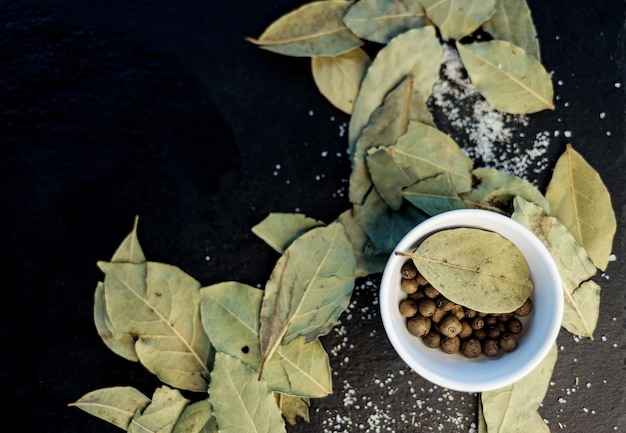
[(482, 219)]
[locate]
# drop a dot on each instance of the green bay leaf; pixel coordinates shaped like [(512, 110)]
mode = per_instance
[(230, 316), (120, 343), (476, 268), (512, 22), (196, 418), (434, 195), (404, 103), (580, 200), (116, 405), (241, 402), (366, 264), (458, 18), (581, 302), (513, 409), (382, 20), (279, 230), (508, 78), (417, 53), (308, 289), (339, 77), (314, 29), (161, 414), (159, 305)]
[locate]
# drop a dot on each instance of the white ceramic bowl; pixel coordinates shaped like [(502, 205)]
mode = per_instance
[(480, 374)]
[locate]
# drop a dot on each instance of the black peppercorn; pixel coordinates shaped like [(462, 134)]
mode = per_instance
[(493, 332), (432, 339), (421, 280), (469, 313), (430, 291), (427, 307), (481, 334), (507, 342), (416, 296), (408, 270), (408, 308), (490, 320), (471, 348), (418, 325), (477, 323), (409, 286), (450, 345), (438, 315), (444, 303), (514, 326), (491, 347), (450, 326), (466, 329)]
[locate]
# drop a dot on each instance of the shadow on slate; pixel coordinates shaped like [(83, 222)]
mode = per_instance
[(93, 130)]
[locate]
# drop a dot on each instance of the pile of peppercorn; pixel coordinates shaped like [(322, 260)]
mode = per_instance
[(451, 327)]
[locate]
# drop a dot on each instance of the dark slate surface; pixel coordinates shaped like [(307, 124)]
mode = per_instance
[(161, 109)]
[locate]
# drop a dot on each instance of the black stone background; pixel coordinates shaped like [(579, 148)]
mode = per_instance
[(161, 109)]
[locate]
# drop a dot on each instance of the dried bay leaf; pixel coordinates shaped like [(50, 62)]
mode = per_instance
[(383, 226), (422, 152), (581, 201), (230, 316), (116, 405), (476, 268), (512, 22), (278, 230), (161, 414), (339, 77), (129, 251), (401, 105), (241, 402), (495, 190), (196, 418), (513, 409), (417, 53), (382, 20), (314, 29), (580, 309), (434, 195), (308, 289), (159, 305), (293, 407), (508, 78), (366, 264), (121, 344), (458, 18)]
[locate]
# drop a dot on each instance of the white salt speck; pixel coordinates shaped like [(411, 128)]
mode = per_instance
[(608, 133), (324, 154), (568, 134), (604, 338), (207, 258), (618, 85), (311, 113), (602, 115), (612, 258), (560, 82), (562, 400), (556, 133)]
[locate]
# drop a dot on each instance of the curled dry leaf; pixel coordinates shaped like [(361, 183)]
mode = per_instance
[(230, 316), (417, 53), (513, 408), (338, 78), (159, 305), (279, 230), (458, 18), (241, 402), (161, 414), (404, 103), (581, 201), (508, 78), (434, 195), (476, 268), (581, 302), (314, 29), (513, 23), (308, 289), (117, 405), (382, 20), (366, 264)]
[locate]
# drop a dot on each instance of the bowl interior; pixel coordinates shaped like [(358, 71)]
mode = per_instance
[(479, 374)]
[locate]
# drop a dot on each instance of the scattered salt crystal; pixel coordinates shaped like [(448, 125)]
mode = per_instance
[(311, 113), (568, 134), (612, 258), (602, 115), (207, 258), (324, 154), (604, 338), (618, 85)]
